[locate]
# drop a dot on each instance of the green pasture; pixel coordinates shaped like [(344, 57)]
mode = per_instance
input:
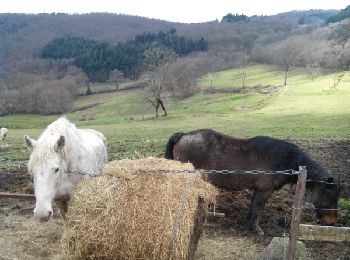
[(305, 108)]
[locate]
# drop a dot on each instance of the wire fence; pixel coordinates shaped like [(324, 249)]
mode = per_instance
[(289, 172)]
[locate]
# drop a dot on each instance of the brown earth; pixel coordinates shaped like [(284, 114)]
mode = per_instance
[(226, 238)]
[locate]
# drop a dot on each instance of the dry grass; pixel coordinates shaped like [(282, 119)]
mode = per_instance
[(26, 238), (130, 214), (227, 248)]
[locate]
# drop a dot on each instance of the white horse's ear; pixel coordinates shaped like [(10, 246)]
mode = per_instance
[(60, 143), (29, 142)]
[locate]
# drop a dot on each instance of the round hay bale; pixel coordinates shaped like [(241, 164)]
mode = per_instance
[(127, 213)]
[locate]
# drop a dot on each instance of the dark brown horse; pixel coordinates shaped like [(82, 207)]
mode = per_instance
[(207, 149)]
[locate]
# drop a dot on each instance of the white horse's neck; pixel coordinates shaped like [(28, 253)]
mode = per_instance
[(69, 181)]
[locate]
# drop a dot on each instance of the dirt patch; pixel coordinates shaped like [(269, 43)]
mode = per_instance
[(242, 90), (15, 181)]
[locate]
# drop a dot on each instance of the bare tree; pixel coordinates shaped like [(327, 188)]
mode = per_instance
[(183, 76), (154, 91), (242, 64), (286, 54), (156, 63), (212, 76), (49, 91), (115, 76), (340, 44), (314, 69)]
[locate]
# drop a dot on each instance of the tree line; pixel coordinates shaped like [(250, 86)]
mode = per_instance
[(98, 59), (340, 16), (51, 90)]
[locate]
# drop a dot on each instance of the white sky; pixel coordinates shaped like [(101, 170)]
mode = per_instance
[(172, 10)]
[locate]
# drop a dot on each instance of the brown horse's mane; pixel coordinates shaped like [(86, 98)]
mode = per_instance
[(285, 155)]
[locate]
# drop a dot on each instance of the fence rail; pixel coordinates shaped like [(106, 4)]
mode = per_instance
[(26, 196), (324, 233)]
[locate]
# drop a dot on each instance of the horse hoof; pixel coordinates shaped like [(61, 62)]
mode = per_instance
[(260, 232), (257, 231)]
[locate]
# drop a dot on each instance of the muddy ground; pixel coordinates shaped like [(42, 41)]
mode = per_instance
[(23, 238)]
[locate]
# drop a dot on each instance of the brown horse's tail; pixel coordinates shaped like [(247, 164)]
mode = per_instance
[(170, 145)]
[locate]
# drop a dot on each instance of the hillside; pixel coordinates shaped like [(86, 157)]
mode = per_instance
[(36, 62), (24, 35), (304, 108)]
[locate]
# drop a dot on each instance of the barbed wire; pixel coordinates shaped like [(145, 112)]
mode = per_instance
[(268, 172), (83, 173), (289, 172), (320, 209), (342, 184)]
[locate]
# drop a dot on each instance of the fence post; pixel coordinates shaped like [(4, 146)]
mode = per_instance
[(296, 215)]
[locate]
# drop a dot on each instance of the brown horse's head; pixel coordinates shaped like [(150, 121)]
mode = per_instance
[(325, 198)]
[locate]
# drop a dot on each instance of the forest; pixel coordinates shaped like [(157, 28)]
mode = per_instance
[(98, 59)]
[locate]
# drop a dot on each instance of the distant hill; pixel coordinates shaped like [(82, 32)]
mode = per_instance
[(340, 16), (24, 35), (312, 16)]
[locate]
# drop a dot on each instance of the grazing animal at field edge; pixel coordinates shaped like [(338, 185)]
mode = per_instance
[(207, 149), (58, 156), (3, 133)]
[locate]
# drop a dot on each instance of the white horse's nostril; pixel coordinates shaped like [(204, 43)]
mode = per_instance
[(50, 213)]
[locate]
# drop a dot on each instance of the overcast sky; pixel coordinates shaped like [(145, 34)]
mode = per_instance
[(189, 11)]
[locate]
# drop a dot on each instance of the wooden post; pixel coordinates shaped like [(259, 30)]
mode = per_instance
[(296, 215)]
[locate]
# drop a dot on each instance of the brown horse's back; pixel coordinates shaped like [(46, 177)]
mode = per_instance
[(207, 149)]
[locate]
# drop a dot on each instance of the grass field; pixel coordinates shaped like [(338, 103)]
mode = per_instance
[(303, 109)]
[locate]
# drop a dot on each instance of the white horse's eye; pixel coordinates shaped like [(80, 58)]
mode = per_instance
[(57, 169)]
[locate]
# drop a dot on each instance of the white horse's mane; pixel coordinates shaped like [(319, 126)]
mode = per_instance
[(47, 140)]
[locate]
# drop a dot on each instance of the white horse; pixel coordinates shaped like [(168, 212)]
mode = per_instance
[(3, 133), (61, 157)]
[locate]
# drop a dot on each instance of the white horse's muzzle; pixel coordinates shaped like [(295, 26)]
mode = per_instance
[(43, 213)]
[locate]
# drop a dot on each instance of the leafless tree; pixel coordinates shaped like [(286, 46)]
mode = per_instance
[(156, 63), (212, 76), (154, 92), (50, 90), (116, 76), (314, 69), (340, 53), (242, 64), (286, 53), (182, 77)]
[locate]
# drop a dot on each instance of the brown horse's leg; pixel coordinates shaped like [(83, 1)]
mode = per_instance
[(63, 207), (257, 205)]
